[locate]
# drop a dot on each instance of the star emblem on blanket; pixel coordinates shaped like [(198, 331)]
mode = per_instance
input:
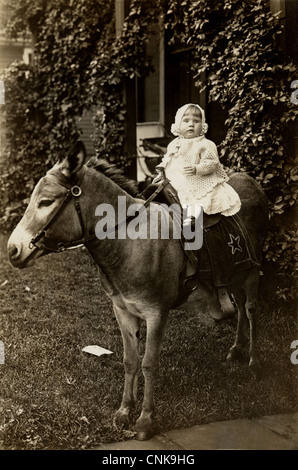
[(234, 243)]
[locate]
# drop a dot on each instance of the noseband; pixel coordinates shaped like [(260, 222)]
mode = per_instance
[(73, 193)]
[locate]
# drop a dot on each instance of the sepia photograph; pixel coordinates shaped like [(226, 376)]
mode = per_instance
[(148, 228)]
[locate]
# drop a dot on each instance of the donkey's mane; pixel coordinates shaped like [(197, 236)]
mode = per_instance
[(115, 173)]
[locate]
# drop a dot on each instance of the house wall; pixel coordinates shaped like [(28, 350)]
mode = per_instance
[(9, 53)]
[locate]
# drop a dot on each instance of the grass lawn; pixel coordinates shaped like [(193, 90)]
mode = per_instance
[(54, 396)]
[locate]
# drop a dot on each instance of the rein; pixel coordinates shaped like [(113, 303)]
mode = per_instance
[(73, 193)]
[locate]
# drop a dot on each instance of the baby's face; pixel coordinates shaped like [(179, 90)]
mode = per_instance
[(191, 123)]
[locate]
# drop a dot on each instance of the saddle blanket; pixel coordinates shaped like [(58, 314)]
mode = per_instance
[(226, 250)]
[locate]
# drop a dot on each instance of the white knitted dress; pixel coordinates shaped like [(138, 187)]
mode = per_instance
[(208, 186)]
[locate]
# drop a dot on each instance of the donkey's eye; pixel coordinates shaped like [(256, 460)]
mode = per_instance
[(45, 203)]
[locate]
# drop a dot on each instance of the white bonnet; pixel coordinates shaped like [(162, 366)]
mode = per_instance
[(175, 127)]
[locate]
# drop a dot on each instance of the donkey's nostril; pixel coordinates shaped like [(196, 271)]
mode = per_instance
[(14, 251)]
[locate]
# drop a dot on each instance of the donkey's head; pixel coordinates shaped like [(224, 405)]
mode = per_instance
[(50, 214)]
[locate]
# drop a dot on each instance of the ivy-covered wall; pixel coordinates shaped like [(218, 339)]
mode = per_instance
[(80, 63), (237, 49)]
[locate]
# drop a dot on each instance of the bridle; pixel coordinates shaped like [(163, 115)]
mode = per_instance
[(73, 193)]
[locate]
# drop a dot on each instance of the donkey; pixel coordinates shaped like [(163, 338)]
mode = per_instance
[(141, 276)]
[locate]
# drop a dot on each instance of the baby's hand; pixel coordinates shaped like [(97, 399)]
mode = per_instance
[(189, 170)]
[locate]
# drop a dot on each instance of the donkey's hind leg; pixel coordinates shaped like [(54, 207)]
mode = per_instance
[(252, 312), (242, 334), (246, 299), (129, 326)]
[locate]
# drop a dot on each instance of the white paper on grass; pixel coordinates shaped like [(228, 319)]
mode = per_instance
[(96, 350)]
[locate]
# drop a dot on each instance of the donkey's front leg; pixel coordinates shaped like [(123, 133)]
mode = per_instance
[(237, 350), (129, 326), (156, 326)]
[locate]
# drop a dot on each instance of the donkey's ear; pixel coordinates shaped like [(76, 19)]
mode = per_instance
[(74, 160)]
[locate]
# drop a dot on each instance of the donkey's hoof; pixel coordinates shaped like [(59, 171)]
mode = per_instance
[(121, 421), (235, 354), (256, 369), (144, 435), (144, 429)]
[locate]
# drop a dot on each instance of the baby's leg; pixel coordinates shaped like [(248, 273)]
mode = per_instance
[(192, 212), (193, 226)]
